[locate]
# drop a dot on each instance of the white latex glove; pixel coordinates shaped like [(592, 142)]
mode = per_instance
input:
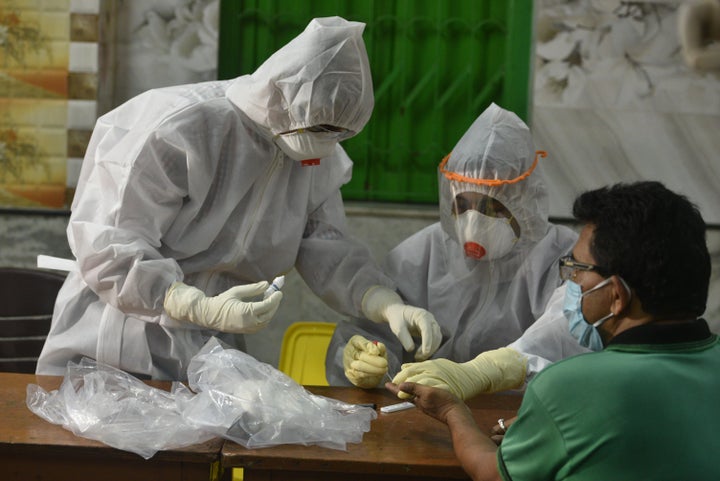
[(380, 304), (226, 312), (491, 371), (365, 362)]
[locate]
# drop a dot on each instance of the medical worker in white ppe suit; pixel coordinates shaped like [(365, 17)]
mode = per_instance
[(191, 198), (486, 271)]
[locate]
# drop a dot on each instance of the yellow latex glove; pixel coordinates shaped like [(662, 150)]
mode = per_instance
[(226, 312), (365, 362), (491, 371), (380, 304)]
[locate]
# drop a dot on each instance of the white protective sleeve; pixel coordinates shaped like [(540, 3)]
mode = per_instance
[(548, 340)]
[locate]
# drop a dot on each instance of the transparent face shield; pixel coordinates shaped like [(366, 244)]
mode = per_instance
[(482, 224)]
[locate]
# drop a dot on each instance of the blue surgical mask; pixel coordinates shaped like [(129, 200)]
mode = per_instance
[(587, 334)]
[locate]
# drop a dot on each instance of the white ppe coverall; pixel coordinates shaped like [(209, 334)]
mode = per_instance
[(487, 301), (188, 184), (548, 340)]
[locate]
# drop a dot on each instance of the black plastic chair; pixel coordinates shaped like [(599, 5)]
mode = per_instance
[(27, 298)]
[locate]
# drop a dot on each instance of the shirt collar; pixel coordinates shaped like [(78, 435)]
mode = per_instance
[(664, 333)]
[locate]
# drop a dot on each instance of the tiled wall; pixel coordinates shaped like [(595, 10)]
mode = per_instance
[(86, 27), (48, 89)]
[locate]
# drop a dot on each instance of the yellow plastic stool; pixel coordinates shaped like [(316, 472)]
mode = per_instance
[(302, 355)]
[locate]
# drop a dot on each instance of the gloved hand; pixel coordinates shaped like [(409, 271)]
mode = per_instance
[(380, 304), (491, 371), (226, 312), (365, 362)]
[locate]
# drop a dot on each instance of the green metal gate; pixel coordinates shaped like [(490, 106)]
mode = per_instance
[(436, 65)]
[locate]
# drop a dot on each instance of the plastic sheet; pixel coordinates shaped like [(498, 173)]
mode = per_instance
[(255, 405), (97, 401), (236, 397)]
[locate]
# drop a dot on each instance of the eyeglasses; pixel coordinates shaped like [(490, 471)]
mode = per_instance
[(568, 265), (340, 132)]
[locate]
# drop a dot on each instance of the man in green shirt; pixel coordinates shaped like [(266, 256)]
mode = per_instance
[(645, 405)]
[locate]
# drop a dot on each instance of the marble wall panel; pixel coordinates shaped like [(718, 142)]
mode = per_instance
[(589, 148), (614, 101)]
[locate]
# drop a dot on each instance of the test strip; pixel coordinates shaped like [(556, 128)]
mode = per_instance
[(397, 407)]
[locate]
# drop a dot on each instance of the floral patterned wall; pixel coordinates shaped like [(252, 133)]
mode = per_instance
[(615, 101), (35, 64), (615, 54), (164, 42)]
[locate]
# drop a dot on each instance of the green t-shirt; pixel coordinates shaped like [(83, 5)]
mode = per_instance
[(631, 412)]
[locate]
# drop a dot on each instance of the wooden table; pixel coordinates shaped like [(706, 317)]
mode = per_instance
[(34, 449), (405, 444)]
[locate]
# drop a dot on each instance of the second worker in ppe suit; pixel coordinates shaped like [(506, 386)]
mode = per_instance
[(486, 271), (192, 197)]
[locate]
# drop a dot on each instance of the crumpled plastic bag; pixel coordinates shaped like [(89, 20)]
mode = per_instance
[(100, 402), (255, 405), (236, 397)]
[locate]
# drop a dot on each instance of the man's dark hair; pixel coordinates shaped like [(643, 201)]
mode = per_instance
[(655, 240)]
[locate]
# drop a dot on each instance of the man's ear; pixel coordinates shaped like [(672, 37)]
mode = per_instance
[(622, 295)]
